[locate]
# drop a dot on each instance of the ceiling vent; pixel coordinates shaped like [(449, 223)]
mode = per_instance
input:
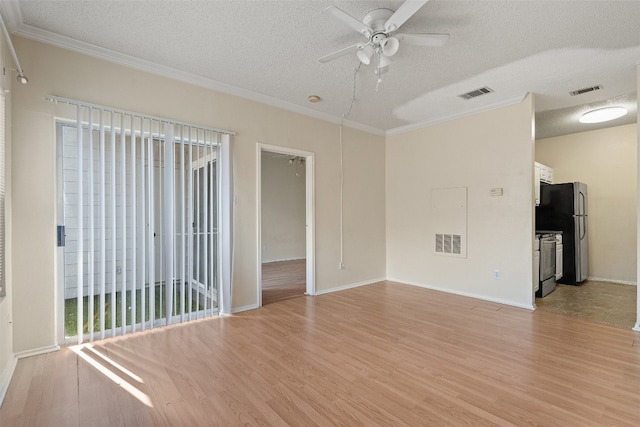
[(476, 93), (585, 90)]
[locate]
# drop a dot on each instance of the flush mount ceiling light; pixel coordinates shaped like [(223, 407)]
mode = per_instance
[(314, 98), (603, 114)]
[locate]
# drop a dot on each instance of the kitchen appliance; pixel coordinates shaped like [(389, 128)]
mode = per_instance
[(563, 207), (536, 263), (559, 248), (547, 265)]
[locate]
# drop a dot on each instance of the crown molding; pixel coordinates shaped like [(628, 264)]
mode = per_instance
[(430, 122), (362, 127), (48, 37)]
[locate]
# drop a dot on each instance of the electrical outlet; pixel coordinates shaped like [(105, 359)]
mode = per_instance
[(264, 248), (496, 274)]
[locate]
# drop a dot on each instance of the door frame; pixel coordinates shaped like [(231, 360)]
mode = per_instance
[(309, 214), (197, 284)]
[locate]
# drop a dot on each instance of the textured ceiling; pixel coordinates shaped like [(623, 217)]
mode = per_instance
[(268, 50)]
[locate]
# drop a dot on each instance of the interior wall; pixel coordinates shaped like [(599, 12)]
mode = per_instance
[(7, 360), (60, 72), (605, 160), (488, 150), (637, 325), (283, 209)]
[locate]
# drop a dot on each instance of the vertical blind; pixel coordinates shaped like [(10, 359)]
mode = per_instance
[(142, 202)]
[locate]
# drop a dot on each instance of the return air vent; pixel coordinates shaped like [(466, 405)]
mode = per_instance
[(448, 244), (476, 93), (585, 90)]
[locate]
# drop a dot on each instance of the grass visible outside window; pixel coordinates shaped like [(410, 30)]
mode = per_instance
[(71, 310)]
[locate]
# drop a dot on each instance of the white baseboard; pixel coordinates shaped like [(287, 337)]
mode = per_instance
[(244, 308), (637, 327), (350, 286), (622, 282), (322, 292), (37, 351), (6, 376), (464, 294)]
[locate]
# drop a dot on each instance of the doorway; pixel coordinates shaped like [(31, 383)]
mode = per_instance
[(605, 160), (285, 208)]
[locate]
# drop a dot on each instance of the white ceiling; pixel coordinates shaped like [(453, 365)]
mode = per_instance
[(268, 51)]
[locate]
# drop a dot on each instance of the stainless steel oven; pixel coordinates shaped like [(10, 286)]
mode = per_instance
[(547, 265)]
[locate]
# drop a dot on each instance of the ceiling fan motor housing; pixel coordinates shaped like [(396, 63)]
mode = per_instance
[(377, 38), (376, 20)]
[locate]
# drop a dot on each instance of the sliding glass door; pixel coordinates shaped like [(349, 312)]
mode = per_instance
[(139, 204)]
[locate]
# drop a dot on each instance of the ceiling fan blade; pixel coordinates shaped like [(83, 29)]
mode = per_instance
[(423, 39), (340, 53), (349, 20), (403, 13)]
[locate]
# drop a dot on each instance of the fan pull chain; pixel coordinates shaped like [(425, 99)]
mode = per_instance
[(378, 72)]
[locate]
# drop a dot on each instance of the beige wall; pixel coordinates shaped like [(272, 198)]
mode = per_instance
[(283, 209), (605, 160), (54, 71), (7, 361), (637, 325), (488, 150)]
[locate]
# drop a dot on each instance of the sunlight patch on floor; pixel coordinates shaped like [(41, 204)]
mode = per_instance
[(128, 387)]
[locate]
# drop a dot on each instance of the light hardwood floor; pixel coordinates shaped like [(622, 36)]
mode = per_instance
[(384, 354), (283, 280)]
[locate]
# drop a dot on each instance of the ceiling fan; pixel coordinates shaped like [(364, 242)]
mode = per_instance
[(379, 26)]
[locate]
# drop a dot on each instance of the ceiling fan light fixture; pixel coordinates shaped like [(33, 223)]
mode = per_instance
[(384, 61), (605, 114), (365, 54), (377, 26), (390, 46)]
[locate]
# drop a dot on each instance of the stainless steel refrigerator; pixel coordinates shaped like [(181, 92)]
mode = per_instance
[(563, 207)]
